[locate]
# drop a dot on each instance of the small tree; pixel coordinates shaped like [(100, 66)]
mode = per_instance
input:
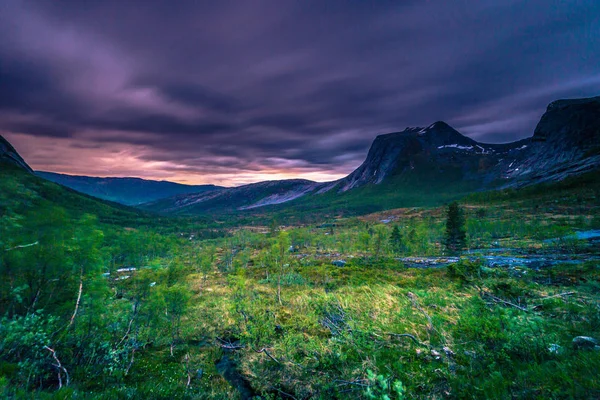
[(176, 299), (396, 240), (206, 259), (456, 236), (280, 249), (364, 240), (379, 239)]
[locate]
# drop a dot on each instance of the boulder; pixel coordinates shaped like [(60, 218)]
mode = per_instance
[(585, 343)]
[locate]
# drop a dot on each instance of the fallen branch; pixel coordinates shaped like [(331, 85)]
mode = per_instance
[(59, 366), (22, 246), (558, 295), (284, 393), (355, 383), (263, 350), (415, 303), (229, 346), (407, 335), (508, 303)]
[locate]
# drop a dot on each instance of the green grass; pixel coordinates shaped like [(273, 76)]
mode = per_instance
[(332, 332)]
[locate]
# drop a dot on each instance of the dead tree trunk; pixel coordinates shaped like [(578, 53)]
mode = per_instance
[(78, 298)]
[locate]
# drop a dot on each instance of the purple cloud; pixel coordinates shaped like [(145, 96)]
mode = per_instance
[(215, 91)]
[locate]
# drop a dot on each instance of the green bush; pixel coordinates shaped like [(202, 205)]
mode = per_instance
[(465, 270), (383, 388)]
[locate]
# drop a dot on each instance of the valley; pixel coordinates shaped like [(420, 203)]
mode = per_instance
[(350, 294), (299, 200)]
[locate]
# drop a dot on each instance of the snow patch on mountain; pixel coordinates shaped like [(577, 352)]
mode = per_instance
[(280, 198), (456, 146)]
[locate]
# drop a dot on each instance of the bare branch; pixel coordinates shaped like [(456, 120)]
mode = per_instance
[(355, 382), (558, 295), (59, 366), (284, 393), (229, 346), (135, 312), (22, 246), (499, 300), (263, 350), (130, 361), (407, 335)]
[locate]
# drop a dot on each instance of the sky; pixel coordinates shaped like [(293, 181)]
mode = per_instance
[(233, 92)]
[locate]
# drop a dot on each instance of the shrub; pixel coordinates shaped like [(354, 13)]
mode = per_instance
[(465, 270), (382, 388)]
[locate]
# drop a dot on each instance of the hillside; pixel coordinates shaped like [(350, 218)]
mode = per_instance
[(128, 191)]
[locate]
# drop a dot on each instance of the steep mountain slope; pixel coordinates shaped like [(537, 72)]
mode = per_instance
[(8, 155), (128, 191), (438, 151), (566, 142), (404, 168)]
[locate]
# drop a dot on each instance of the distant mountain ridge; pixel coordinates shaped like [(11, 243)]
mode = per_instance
[(244, 197), (566, 142), (128, 191)]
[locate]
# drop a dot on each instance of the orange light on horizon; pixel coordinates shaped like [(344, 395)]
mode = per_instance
[(80, 156)]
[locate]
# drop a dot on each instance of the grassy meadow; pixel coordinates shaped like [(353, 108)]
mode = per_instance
[(102, 301)]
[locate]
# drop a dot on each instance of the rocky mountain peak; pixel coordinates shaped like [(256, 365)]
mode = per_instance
[(396, 151), (571, 123), (8, 154)]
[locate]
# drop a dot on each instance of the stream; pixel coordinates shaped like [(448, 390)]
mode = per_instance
[(507, 257), (227, 368), (536, 261)]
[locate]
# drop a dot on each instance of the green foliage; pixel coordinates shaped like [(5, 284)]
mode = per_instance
[(455, 239), (382, 388), (465, 270), (163, 297), (22, 341), (396, 243)]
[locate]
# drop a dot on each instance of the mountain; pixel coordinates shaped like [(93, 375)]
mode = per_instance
[(437, 151), (9, 155), (404, 168), (128, 191), (246, 197), (566, 142)]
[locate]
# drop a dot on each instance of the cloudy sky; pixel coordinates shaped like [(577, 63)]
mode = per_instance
[(231, 92)]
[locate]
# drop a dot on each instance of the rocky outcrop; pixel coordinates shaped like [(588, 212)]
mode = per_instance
[(585, 343), (435, 152), (566, 142), (8, 154), (395, 152)]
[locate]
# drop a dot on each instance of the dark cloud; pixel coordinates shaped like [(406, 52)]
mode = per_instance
[(219, 87)]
